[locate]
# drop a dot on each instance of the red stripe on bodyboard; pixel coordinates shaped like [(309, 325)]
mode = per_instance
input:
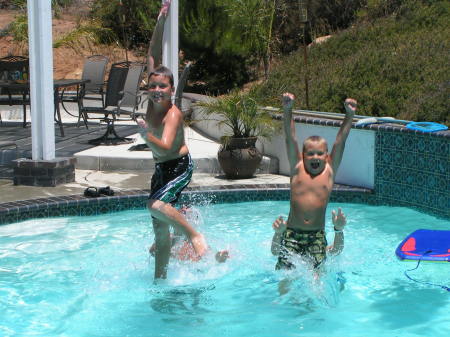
[(412, 254), (409, 245)]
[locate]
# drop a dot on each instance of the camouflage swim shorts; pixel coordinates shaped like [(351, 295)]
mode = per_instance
[(310, 244)]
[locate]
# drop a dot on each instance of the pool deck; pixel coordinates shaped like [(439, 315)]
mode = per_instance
[(116, 165), (125, 181)]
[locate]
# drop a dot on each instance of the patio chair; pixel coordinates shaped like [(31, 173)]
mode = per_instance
[(15, 68), (121, 101), (94, 71)]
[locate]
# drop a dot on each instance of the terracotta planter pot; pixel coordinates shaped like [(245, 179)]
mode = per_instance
[(239, 158)]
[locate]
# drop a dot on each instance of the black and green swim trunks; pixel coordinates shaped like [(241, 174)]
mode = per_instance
[(309, 244), (170, 179)]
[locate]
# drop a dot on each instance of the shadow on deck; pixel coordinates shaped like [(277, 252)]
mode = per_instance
[(75, 140)]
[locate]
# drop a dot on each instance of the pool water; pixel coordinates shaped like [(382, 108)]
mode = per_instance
[(93, 276)]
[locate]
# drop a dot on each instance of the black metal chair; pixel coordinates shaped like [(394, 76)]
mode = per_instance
[(94, 71), (15, 68), (121, 101)]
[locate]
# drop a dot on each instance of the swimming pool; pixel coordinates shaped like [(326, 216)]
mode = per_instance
[(92, 276)]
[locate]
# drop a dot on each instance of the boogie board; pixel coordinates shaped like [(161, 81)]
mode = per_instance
[(425, 245)]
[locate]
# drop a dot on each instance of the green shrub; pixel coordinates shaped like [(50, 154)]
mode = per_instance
[(21, 4), (18, 29), (89, 36), (396, 66), (225, 43), (132, 22), (241, 114)]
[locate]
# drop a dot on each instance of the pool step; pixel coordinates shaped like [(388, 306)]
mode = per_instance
[(123, 158), (136, 162)]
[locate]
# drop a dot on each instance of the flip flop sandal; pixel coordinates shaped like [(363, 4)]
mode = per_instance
[(106, 191), (91, 192)]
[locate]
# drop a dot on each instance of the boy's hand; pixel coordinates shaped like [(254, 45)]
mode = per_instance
[(350, 105), (152, 249), (142, 123), (222, 256), (165, 8), (339, 220), (287, 100), (279, 225)]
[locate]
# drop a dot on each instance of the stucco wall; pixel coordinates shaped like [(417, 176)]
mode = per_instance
[(358, 163), (357, 166)]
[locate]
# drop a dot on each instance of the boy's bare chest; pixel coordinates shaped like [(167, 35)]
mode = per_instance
[(156, 131), (156, 127), (320, 185)]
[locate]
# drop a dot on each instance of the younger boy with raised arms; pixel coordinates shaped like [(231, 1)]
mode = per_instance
[(312, 173)]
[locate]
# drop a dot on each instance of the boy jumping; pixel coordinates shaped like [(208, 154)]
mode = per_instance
[(312, 172), (164, 134)]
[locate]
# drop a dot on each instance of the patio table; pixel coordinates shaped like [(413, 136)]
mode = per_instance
[(24, 87)]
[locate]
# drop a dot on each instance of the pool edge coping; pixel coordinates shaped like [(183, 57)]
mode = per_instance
[(122, 200), (134, 199)]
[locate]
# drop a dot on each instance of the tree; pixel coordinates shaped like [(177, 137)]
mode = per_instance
[(228, 40), (131, 21)]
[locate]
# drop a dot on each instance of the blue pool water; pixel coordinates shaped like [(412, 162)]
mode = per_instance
[(92, 276)]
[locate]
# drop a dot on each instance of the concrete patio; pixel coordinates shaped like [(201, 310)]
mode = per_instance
[(113, 165)]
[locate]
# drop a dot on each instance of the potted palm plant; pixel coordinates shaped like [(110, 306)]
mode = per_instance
[(238, 113)]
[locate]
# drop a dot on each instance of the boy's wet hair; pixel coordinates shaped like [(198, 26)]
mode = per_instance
[(315, 139), (163, 71)]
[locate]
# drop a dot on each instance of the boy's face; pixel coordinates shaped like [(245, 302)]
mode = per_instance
[(315, 157), (160, 88)]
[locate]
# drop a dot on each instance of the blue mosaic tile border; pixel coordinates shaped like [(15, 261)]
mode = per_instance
[(74, 205), (412, 167), (77, 205), (413, 170)]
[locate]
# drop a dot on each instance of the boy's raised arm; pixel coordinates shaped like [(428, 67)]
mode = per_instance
[(339, 145), (289, 131), (154, 54)]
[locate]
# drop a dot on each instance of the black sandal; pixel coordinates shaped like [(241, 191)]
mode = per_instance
[(91, 192), (106, 191)]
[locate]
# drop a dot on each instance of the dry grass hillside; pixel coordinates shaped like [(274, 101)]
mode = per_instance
[(67, 62)]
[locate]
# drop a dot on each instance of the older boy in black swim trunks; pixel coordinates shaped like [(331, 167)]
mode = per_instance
[(312, 174), (164, 134)]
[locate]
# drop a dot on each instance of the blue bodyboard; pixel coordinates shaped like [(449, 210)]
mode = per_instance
[(425, 245)]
